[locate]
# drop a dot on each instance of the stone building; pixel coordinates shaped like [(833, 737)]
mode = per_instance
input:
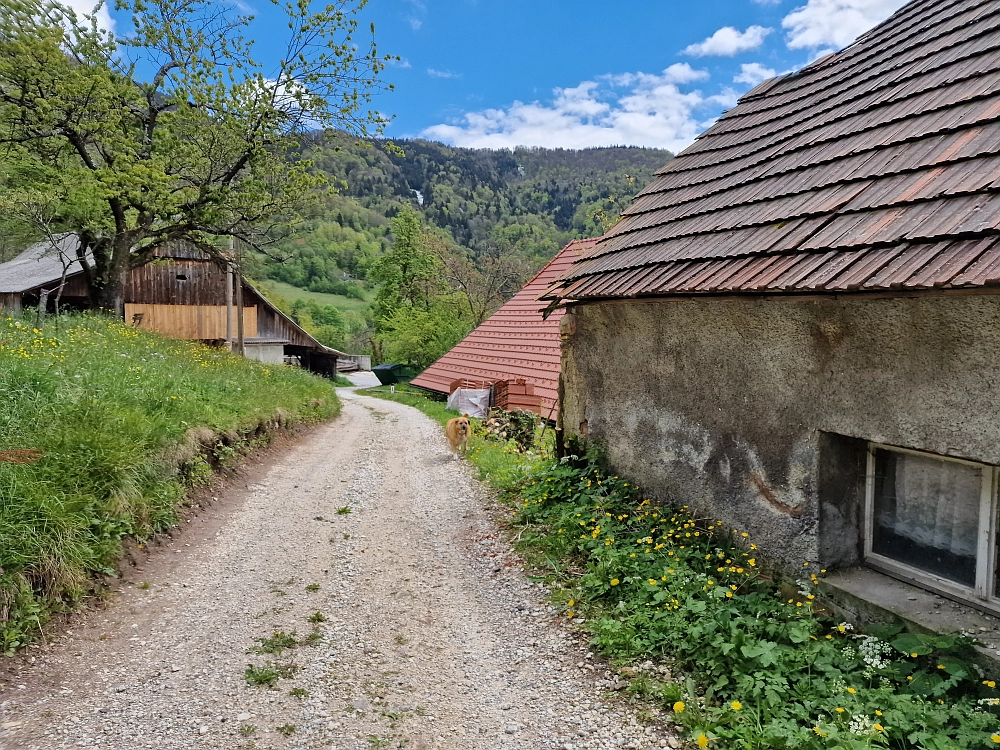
[(796, 326)]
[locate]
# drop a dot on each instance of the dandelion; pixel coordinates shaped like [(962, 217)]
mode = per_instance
[(702, 741), (736, 705), (995, 738), (852, 691), (679, 707), (614, 581)]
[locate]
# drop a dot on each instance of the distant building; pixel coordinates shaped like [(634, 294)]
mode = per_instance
[(515, 343), (183, 293), (795, 327)]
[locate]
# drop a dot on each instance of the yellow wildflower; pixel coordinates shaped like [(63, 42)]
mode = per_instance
[(679, 707), (702, 741), (736, 705), (614, 582)]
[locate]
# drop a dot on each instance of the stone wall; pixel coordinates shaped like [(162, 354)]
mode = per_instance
[(757, 410)]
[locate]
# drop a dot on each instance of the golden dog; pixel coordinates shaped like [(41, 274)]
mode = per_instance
[(458, 431)]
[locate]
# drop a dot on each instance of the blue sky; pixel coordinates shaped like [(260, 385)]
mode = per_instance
[(500, 73)]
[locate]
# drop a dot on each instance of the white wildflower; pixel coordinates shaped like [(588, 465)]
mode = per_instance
[(861, 725), (874, 653)]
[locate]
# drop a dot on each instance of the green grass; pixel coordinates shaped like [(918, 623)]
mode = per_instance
[(291, 293), (123, 421)]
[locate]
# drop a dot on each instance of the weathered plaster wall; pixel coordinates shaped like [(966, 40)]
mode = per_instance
[(756, 410)]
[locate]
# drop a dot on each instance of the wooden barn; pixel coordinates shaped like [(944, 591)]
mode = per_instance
[(183, 293)]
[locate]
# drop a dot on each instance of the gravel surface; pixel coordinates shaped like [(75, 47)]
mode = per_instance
[(427, 635)]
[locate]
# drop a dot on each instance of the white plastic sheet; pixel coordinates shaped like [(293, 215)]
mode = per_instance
[(470, 401)]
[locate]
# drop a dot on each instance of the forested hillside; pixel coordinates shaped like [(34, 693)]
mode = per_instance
[(530, 200)]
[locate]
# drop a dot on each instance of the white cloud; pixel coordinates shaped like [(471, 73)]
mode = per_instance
[(400, 63), (637, 109), (753, 73), (727, 98), (84, 7), (835, 23), (729, 41), (442, 73), (418, 11)]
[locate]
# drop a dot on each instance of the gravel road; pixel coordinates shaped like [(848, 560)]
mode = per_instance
[(416, 626)]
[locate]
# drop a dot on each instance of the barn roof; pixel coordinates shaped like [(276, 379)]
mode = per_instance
[(40, 264), (515, 342), (876, 168)]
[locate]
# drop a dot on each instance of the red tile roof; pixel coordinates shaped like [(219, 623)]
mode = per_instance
[(514, 342), (872, 169)]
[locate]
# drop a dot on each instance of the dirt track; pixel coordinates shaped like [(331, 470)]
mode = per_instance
[(432, 637)]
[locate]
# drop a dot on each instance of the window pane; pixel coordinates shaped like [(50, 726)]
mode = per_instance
[(927, 514)]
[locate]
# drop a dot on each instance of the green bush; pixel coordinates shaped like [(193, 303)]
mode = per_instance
[(122, 420), (769, 668)]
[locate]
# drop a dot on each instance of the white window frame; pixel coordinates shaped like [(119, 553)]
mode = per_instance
[(982, 594)]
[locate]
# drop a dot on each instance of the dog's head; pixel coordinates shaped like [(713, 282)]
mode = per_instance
[(462, 423)]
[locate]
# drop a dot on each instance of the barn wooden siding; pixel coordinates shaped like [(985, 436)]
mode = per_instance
[(177, 282), (205, 322)]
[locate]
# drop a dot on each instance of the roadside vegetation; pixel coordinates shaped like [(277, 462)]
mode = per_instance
[(102, 429), (743, 655)]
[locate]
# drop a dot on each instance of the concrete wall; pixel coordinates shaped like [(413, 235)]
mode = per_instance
[(757, 410), (271, 354)]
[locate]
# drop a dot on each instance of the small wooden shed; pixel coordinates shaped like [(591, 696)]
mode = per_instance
[(182, 293)]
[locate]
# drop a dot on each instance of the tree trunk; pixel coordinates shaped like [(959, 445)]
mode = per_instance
[(111, 266), (111, 294)]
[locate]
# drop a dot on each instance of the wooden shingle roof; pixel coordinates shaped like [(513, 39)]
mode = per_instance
[(876, 168), (515, 342)]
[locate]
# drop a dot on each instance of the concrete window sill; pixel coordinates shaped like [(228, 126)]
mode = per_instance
[(865, 596)]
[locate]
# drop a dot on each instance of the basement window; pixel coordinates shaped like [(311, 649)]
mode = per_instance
[(182, 277), (930, 520)]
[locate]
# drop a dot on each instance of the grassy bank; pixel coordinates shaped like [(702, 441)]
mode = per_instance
[(291, 293), (744, 656), (102, 427)]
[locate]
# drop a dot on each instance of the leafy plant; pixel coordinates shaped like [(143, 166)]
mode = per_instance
[(286, 729), (274, 644), (312, 588), (264, 676), (318, 617), (344, 510), (298, 692), (314, 637)]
